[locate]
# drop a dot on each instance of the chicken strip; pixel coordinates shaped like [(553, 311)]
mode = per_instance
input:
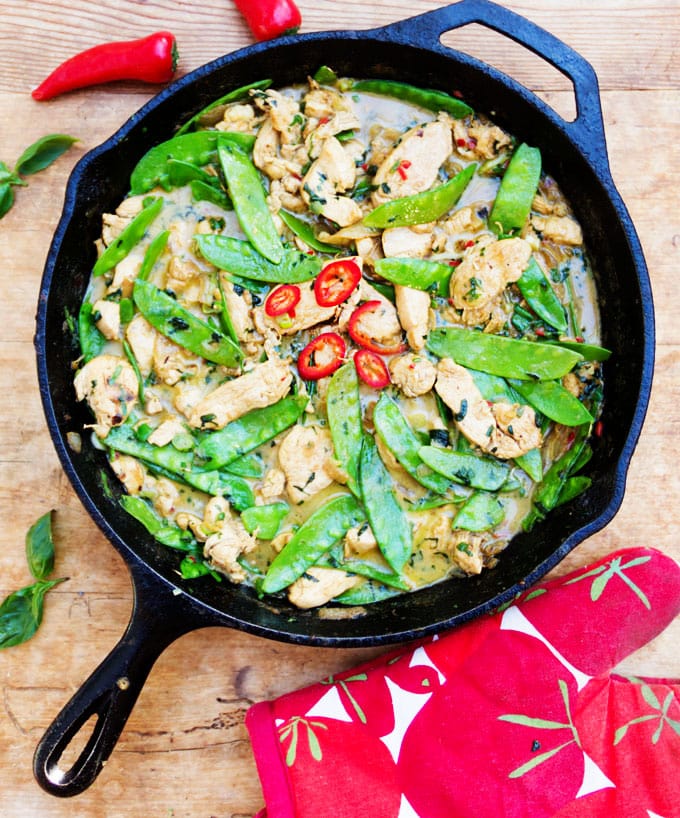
[(109, 385), (317, 586), (303, 456), (264, 385)]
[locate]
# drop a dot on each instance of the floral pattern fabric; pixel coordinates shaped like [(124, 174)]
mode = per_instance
[(514, 715)]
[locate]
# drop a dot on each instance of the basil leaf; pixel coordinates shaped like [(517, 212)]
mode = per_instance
[(21, 612), (6, 198), (42, 153), (40, 547)]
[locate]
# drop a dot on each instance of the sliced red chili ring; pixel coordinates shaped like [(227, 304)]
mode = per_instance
[(336, 282), (322, 356), (371, 368), (282, 300), (359, 336)]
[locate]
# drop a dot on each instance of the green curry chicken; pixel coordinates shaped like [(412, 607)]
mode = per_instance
[(341, 341)]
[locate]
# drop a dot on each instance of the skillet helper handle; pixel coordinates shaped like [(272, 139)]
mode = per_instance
[(110, 693), (587, 129)]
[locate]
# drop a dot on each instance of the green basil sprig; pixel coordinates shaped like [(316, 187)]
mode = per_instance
[(35, 158), (40, 547)]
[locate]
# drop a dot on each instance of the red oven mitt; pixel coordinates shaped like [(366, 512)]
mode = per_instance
[(514, 715)]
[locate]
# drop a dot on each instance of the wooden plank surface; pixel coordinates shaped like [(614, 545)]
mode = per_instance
[(185, 751)]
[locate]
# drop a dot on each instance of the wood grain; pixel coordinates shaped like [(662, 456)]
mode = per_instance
[(185, 751)]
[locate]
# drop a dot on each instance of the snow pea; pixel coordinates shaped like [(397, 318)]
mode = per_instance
[(248, 197), (551, 399), (418, 273), (152, 254), (388, 521), (220, 448), (573, 486), (303, 230), (134, 363), (203, 192), (165, 532), (499, 355), (590, 352), (181, 172), (233, 96), (481, 512), (394, 431), (540, 296), (199, 148), (247, 465), (547, 494), (129, 238), (366, 593), (363, 568), (90, 339), (421, 208), (467, 469), (171, 319), (344, 420), (518, 187), (311, 541), (239, 258), (264, 521), (424, 97)]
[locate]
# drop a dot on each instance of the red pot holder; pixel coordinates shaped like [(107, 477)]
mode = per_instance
[(514, 715)]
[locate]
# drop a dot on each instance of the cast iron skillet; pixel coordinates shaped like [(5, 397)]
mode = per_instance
[(166, 607)]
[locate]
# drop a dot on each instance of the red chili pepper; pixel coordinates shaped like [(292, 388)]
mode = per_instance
[(149, 59), (270, 18), (322, 356), (336, 282), (371, 368), (359, 336), (282, 300)]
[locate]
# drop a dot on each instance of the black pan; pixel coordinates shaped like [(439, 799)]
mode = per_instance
[(166, 607)]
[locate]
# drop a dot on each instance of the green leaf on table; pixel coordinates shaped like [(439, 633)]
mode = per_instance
[(6, 198), (40, 547), (22, 611), (43, 152)]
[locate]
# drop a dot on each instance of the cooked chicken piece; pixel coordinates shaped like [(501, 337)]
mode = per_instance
[(413, 309), (242, 118), (152, 403), (303, 456), (166, 497), (281, 199), (125, 274), (142, 339), (273, 485), (109, 384), (267, 153), (186, 277), (479, 282), (317, 586), (166, 431), (547, 207), (130, 207), (501, 429), (381, 325), (187, 394), (359, 540), (329, 176), (107, 315), (284, 114), (265, 384), (407, 242), (129, 471), (463, 220), (224, 547), (308, 313), (238, 306), (413, 374), (331, 126), (479, 140), (369, 248), (425, 148), (321, 101), (112, 226), (172, 362), (465, 549), (561, 229), (215, 511)]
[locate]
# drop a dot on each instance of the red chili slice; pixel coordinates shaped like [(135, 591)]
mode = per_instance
[(336, 282), (322, 356), (359, 336), (282, 300), (371, 368)]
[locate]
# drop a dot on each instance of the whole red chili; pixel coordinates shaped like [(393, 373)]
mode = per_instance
[(322, 356), (270, 18), (149, 59)]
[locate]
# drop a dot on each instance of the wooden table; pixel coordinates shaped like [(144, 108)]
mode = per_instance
[(185, 750)]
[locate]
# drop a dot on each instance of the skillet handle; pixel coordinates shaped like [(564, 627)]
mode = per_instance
[(112, 689), (587, 129)]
